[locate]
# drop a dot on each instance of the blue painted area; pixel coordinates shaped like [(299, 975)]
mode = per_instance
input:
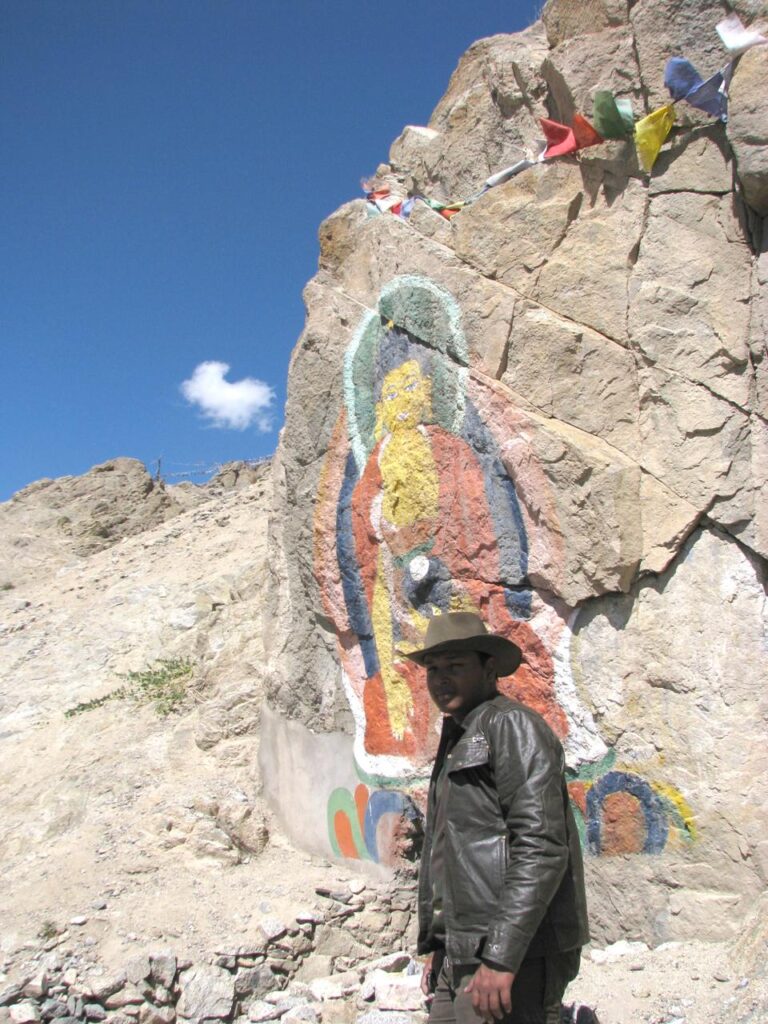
[(351, 582), (656, 826), (502, 499), (518, 602), (434, 590), (381, 802)]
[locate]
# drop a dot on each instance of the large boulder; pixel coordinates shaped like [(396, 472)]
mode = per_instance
[(549, 406)]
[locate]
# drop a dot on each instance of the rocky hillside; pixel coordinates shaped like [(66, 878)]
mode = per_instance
[(124, 584)]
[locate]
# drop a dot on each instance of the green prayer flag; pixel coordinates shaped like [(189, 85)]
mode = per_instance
[(612, 118)]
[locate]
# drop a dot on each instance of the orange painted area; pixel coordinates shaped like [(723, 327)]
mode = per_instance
[(623, 824), (378, 732), (343, 831), (361, 802), (577, 791)]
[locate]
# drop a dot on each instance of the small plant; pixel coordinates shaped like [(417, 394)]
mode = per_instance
[(97, 702), (48, 930), (6, 586), (163, 684)]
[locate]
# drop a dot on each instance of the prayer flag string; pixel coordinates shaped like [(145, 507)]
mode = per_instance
[(612, 119)]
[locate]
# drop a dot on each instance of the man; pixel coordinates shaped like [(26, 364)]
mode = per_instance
[(502, 911)]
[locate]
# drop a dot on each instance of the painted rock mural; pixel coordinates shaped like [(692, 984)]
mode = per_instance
[(417, 515), (546, 405)]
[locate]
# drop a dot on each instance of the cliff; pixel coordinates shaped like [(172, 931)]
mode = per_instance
[(548, 404)]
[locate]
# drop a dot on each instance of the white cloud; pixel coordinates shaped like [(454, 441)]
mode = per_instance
[(230, 404)]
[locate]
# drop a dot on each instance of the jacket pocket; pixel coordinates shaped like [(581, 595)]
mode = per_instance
[(477, 878)]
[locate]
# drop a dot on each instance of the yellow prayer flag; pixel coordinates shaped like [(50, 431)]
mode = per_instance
[(651, 132)]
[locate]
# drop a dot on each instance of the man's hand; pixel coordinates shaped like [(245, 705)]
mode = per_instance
[(491, 992), (427, 981)]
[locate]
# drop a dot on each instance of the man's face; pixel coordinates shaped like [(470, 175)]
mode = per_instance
[(459, 680)]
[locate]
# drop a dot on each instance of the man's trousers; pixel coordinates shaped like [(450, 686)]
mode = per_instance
[(537, 991)]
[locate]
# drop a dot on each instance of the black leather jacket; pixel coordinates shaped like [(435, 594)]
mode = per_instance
[(513, 882)]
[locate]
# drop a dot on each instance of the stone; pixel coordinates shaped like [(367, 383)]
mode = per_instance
[(566, 18), (390, 962), (586, 275), (335, 986), (541, 205), (37, 986), (746, 126), (79, 515), (273, 928), (384, 1017), (581, 65), (397, 991), (254, 981), (25, 1012), (138, 969), (667, 26), (163, 969), (75, 1004), (101, 986), (613, 953), (52, 1008), (670, 675), (319, 965), (11, 994), (94, 1011), (260, 1011), (689, 293), (125, 997), (310, 916), (333, 941), (483, 122), (205, 991), (150, 1014), (575, 374), (305, 1012)]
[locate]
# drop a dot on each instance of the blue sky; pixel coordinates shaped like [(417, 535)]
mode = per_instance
[(166, 165)]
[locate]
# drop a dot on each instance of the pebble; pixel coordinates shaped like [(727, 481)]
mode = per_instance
[(260, 1011), (78, 919), (273, 927), (721, 976), (24, 1013)]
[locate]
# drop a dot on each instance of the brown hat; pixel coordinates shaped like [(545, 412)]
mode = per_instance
[(465, 631)]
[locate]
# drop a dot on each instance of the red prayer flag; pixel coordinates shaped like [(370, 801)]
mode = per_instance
[(585, 133), (560, 138)]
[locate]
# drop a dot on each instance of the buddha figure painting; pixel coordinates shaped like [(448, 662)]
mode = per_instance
[(417, 515)]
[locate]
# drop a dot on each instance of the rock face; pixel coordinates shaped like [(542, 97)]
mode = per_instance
[(549, 408), (52, 522)]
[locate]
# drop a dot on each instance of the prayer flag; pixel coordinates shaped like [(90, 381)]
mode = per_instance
[(736, 38), (685, 83), (712, 96), (560, 138), (651, 133), (584, 133), (680, 77), (612, 118)]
